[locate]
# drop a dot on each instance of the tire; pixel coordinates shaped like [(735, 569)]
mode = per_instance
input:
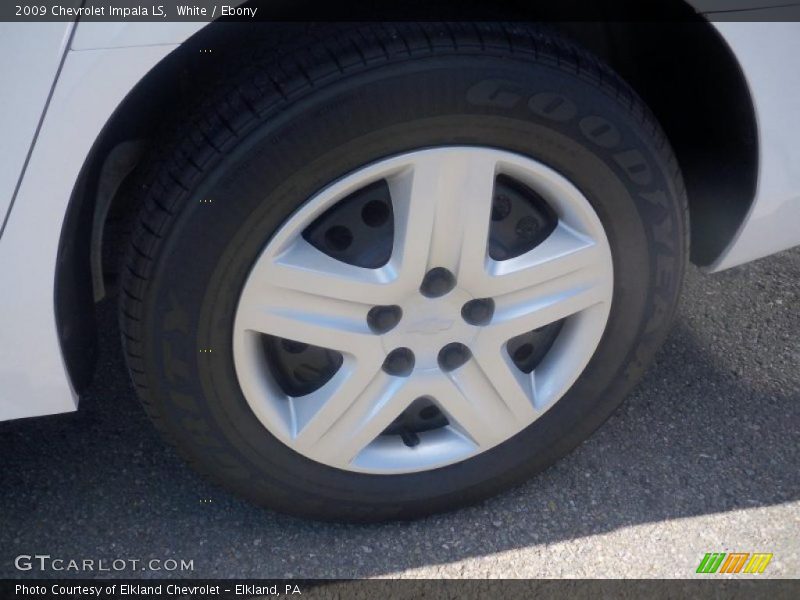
[(284, 126)]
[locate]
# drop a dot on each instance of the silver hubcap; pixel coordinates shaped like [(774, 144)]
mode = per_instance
[(442, 203)]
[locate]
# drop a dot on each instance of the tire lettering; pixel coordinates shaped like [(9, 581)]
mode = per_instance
[(494, 92), (552, 106), (600, 131), (635, 166)]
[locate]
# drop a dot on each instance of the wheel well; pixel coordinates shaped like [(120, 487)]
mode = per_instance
[(682, 69), (687, 75)]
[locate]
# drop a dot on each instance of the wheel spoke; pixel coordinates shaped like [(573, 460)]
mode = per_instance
[(513, 386), (302, 267), (442, 209), (326, 322), (475, 406), (353, 413), (564, 252), (563, 276)]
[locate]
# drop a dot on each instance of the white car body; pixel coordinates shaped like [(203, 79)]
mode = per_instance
[(63, 81)]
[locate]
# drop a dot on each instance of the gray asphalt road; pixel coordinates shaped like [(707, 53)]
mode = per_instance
[(703, 457)]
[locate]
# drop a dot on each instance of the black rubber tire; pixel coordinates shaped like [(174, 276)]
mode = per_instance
[(285, 123)]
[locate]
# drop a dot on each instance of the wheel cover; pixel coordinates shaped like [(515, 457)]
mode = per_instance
[(442, 201)]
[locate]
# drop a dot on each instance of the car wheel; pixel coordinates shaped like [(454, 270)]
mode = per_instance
[(394, 270)]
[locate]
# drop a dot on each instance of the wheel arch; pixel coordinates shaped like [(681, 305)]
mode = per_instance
[(694, 84), (99, 188)]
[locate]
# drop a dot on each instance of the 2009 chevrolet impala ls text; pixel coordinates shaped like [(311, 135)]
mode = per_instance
[(374, 271)]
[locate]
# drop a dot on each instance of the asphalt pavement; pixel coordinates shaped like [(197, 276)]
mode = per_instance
[(703, 457)]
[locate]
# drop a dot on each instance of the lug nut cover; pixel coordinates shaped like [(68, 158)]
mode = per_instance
[(399, 362), (384, 318), (437, 282), (478, 311), (452, 356)]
